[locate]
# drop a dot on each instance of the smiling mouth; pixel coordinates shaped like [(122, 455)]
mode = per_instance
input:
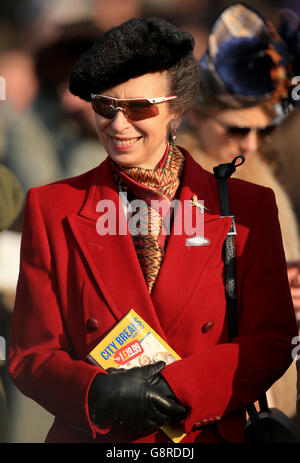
[(124, 141)]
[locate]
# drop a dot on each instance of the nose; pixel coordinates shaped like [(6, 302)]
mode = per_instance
[(250, 142), (119, 122)]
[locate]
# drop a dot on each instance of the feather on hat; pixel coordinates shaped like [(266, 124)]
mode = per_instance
[(247, 61)]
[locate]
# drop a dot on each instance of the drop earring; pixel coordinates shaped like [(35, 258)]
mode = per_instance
[(172, 136)]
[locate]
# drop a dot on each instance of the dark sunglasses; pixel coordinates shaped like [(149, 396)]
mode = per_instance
[(240, 132), (135, 109)]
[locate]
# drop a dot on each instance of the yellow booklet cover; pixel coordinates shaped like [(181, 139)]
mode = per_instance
[(133, 343)]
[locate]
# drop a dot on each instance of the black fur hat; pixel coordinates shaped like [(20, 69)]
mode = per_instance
[(136, 47)]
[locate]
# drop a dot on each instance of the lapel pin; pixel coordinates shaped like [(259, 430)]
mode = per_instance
[(195, 202), (197, 241)]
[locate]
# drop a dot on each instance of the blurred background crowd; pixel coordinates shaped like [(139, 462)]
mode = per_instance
[(47, 134)]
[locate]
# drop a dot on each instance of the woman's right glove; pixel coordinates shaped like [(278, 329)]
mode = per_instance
[(129, 398)]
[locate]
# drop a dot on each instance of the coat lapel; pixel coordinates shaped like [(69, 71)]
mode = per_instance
[(113, 261), (183, 268), (112, 258)]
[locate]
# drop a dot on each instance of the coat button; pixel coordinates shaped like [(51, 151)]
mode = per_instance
[(211, 420), (205, 422), (92, 324), (207, 327), (197, 426)]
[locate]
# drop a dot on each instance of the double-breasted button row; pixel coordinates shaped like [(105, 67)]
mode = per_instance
[(92, 324), (205, 422)]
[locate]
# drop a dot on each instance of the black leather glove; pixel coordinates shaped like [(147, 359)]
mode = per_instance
[(161, 386), (158, 382), (129, 398)]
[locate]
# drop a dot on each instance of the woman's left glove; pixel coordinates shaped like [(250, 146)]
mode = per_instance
[(129, 398)]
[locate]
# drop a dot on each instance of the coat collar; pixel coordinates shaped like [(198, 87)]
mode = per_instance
[(113, 261)]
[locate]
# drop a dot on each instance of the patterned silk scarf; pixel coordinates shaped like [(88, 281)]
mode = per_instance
[(147, 222)]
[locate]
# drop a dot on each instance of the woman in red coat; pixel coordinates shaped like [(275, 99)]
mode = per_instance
[(76, 281)]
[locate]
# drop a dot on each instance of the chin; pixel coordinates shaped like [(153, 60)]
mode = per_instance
[(125, 160)]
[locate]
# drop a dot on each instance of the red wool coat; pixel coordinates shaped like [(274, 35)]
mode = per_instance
[(74, 285)]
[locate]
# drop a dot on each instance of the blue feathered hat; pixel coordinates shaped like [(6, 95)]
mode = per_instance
[(248, 61)]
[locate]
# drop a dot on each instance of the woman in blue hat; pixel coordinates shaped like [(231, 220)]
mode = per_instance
[(247, 90)]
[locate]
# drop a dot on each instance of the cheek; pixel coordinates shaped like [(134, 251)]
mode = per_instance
[(226, 147), (149, 128), (160, 127), (99, 124), (213, 140), (218, 145), (221, 141)]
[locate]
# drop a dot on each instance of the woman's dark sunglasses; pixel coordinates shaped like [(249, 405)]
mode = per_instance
[(240, 132), (135, 109)]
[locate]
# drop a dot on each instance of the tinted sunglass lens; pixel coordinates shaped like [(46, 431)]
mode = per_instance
[(267, 130), (238, 131), (134, 110), (244, 131), (103, 107), (140, 109)]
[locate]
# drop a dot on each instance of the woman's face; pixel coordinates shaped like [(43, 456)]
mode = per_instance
[(138, 143), (216, 139)]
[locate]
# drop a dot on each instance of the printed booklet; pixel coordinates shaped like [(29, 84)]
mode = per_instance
[(133, 343)]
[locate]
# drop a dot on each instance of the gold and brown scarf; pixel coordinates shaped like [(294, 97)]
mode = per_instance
[(148, 185)]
